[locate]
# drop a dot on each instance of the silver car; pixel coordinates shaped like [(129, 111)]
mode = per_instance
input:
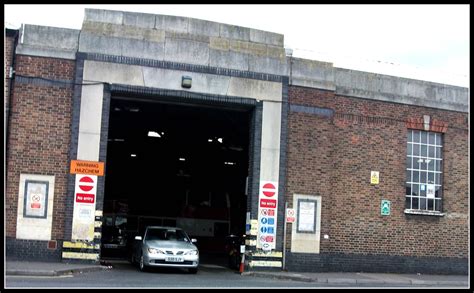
[(165, 247)]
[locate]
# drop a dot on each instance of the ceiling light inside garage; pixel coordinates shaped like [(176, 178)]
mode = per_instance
[(154, 134)]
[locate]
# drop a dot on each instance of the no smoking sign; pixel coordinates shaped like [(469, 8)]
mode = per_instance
[(290, 215)]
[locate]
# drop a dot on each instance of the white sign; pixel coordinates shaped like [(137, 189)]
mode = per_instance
[(267, 215), (36, 193), (84, 207), (430, 191), (306, 216)]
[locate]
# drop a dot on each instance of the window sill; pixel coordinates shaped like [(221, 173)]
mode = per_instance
[(424, 213)]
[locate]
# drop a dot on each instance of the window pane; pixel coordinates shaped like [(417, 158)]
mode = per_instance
[(431, 151), (416, 136), (431, 138), (431, 165), (430, 204), (415, 189), (416, 149), (423, 165), (424, 151), (408, 162), (424, 137), (423, 203), (431, 177), (416, 176), (438, 153), (438, 191), (423, 177), (438, 205), (407, 188), (422, 189), (415, 202), (414, 163), (408, 202), (437, 178), (410, 135), (408, 149), (408, 174), (439, 165), (439, 139)]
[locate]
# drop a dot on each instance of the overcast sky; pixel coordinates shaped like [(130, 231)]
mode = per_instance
[(428, 42)]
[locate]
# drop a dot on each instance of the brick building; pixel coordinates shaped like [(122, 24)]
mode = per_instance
[(316, 136)]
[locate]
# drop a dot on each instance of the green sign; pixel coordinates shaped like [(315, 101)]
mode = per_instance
[(385, 208)]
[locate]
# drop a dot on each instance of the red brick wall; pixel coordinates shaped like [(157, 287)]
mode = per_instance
[(333, 157), (40, 134)]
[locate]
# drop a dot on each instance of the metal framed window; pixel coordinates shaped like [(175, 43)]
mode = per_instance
[(424, 170)]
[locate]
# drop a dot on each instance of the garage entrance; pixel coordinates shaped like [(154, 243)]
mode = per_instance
[(175, 164)]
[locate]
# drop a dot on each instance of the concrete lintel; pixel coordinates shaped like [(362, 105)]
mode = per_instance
[(186, 51), (113, 73)]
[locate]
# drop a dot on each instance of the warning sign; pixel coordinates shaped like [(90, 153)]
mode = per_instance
[(36, 197), (290, 215), (267, 215), (268, 189), (87, 167), (268, 203), (84, 207), (86, 183), (374, 177), (85, 197)]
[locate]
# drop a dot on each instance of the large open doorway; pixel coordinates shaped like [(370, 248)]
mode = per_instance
[(184, 165)]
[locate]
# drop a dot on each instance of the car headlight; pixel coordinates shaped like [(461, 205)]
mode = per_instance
[(192, 252), (155, 251)]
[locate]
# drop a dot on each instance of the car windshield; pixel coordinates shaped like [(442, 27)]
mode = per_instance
[(166, 234)]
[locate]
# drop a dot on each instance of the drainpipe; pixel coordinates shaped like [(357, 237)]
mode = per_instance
[(11, 76), (289, 54)]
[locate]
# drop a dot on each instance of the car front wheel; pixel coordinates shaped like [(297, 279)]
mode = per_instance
[(142, 264)]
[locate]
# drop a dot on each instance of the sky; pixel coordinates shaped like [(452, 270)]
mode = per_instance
[(426, 42)]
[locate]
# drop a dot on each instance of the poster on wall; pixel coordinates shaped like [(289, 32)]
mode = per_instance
[(36, 199), (306, 216)]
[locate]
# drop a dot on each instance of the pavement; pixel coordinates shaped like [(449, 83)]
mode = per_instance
[(335, 278), (332, 279), (25, 268)]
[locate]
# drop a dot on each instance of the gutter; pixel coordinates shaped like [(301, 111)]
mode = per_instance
[(11, 76)]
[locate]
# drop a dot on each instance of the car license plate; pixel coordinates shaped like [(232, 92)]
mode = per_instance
[(174, 259)]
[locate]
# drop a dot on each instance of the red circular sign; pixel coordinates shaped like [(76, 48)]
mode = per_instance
[(86, 186), (268, 189)]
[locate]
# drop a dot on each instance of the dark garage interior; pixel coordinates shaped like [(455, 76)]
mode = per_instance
[(178, 165)]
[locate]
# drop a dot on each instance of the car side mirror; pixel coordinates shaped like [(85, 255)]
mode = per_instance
[(194, 240), (139, 238)]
